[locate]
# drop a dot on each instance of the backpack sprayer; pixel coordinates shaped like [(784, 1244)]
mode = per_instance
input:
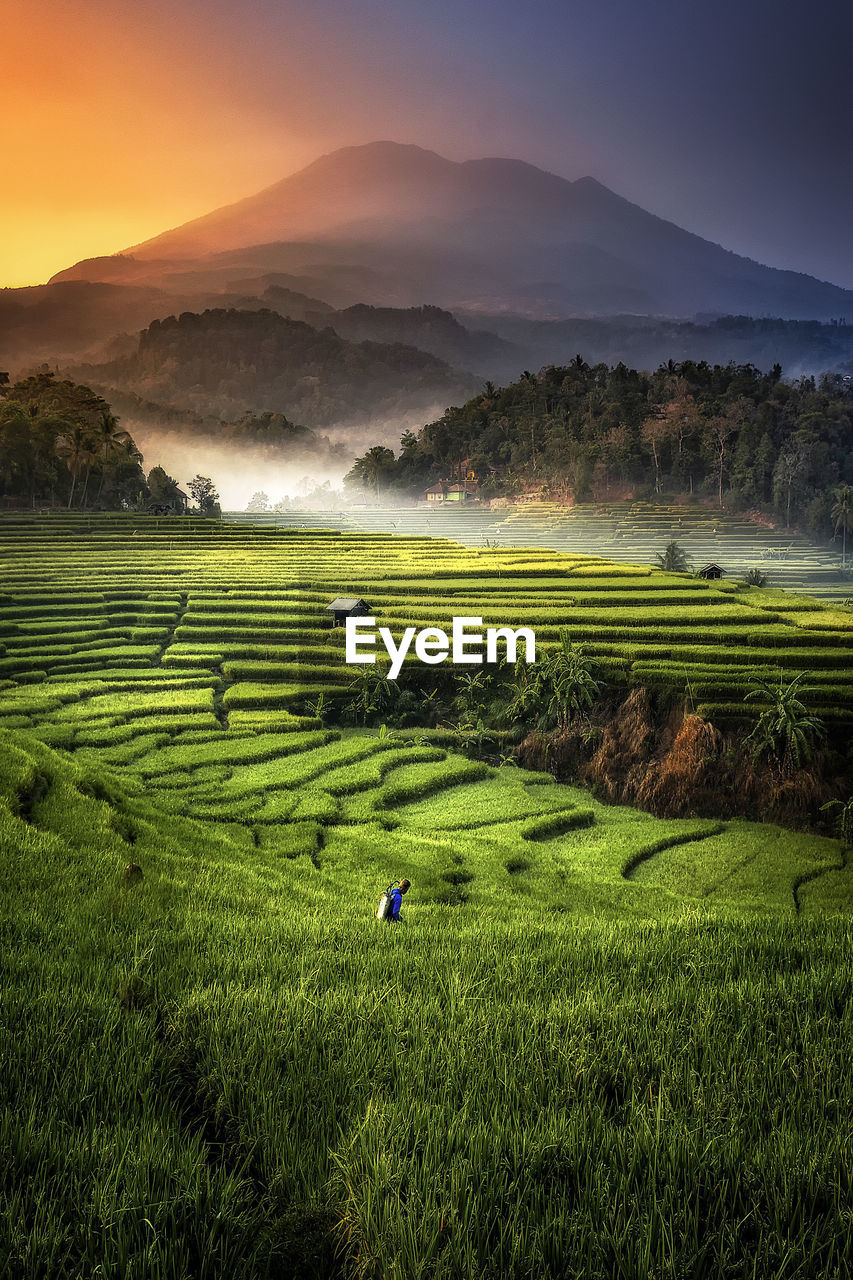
[(384, 905)]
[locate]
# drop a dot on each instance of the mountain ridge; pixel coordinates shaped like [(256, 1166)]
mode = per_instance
[(495, 232)]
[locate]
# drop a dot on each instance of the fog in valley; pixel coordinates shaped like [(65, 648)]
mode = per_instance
[(311, 478)]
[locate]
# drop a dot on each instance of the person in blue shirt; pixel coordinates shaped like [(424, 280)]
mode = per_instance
[(396, 902)]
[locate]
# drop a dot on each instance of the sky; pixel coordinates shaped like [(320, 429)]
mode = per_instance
[(119, 120)]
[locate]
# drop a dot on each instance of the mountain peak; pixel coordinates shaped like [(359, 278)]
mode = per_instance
[(392, 223)]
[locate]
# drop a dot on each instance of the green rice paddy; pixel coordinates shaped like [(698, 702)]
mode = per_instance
[(633, 532), (603, 1044)]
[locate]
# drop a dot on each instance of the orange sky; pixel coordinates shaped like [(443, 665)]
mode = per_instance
[(119, 120), (109, 133), (122, 118)]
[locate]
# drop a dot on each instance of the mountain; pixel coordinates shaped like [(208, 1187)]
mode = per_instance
[(393, 225)]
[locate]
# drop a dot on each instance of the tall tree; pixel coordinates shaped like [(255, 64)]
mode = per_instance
[(842, 517), (721, 430), (112, 441), (16, 454), (163, 488), (786, 474), (373, 470), (78, 447), (656, 432), (205, 496)]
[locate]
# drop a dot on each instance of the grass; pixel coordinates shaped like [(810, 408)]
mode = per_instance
[(234, 1071), (604, 1044), (633, 532)]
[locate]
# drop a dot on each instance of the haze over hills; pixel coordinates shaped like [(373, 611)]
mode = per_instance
[(394, 225)]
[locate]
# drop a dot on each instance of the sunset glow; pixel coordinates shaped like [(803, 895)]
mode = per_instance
[(111, 135), (120, 120)]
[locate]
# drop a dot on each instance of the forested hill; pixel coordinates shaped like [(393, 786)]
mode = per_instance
[(745, 438), (227, 361), (429, 329)]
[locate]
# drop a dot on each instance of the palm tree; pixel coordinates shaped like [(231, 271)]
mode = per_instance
[(785, 729), (525, 701), (470, 692), (673, 559), (372, 692), (373, 470), (472, 735), (77, 446), (844, 818), (842, 518), (111, 441)]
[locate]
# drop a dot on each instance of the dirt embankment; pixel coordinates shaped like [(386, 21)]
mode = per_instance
[(674, 764)]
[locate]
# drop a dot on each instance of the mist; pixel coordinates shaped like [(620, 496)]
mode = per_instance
[(239, 471)]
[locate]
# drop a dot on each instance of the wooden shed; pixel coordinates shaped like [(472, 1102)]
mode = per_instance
[(711, 571), (347, 607)]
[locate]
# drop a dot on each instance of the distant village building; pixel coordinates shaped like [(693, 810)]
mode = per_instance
[(463, 486), (711, 571), (177, 506), (463, 492), (347, 607)]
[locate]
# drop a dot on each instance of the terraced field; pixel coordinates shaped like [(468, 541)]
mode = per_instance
[(632, 532), (233, 618), (185, 657), (603, 1044)]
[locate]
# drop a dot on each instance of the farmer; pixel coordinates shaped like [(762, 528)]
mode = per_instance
[(396, 902)]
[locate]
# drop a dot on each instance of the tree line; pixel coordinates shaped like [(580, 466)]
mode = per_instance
[(743, 438), (62, 445)]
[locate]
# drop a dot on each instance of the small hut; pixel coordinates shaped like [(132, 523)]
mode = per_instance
[(711, 571), (174, 506), (347, 607)]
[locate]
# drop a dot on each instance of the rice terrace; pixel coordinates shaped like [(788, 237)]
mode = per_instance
[(613, 1038), (426, 641)]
